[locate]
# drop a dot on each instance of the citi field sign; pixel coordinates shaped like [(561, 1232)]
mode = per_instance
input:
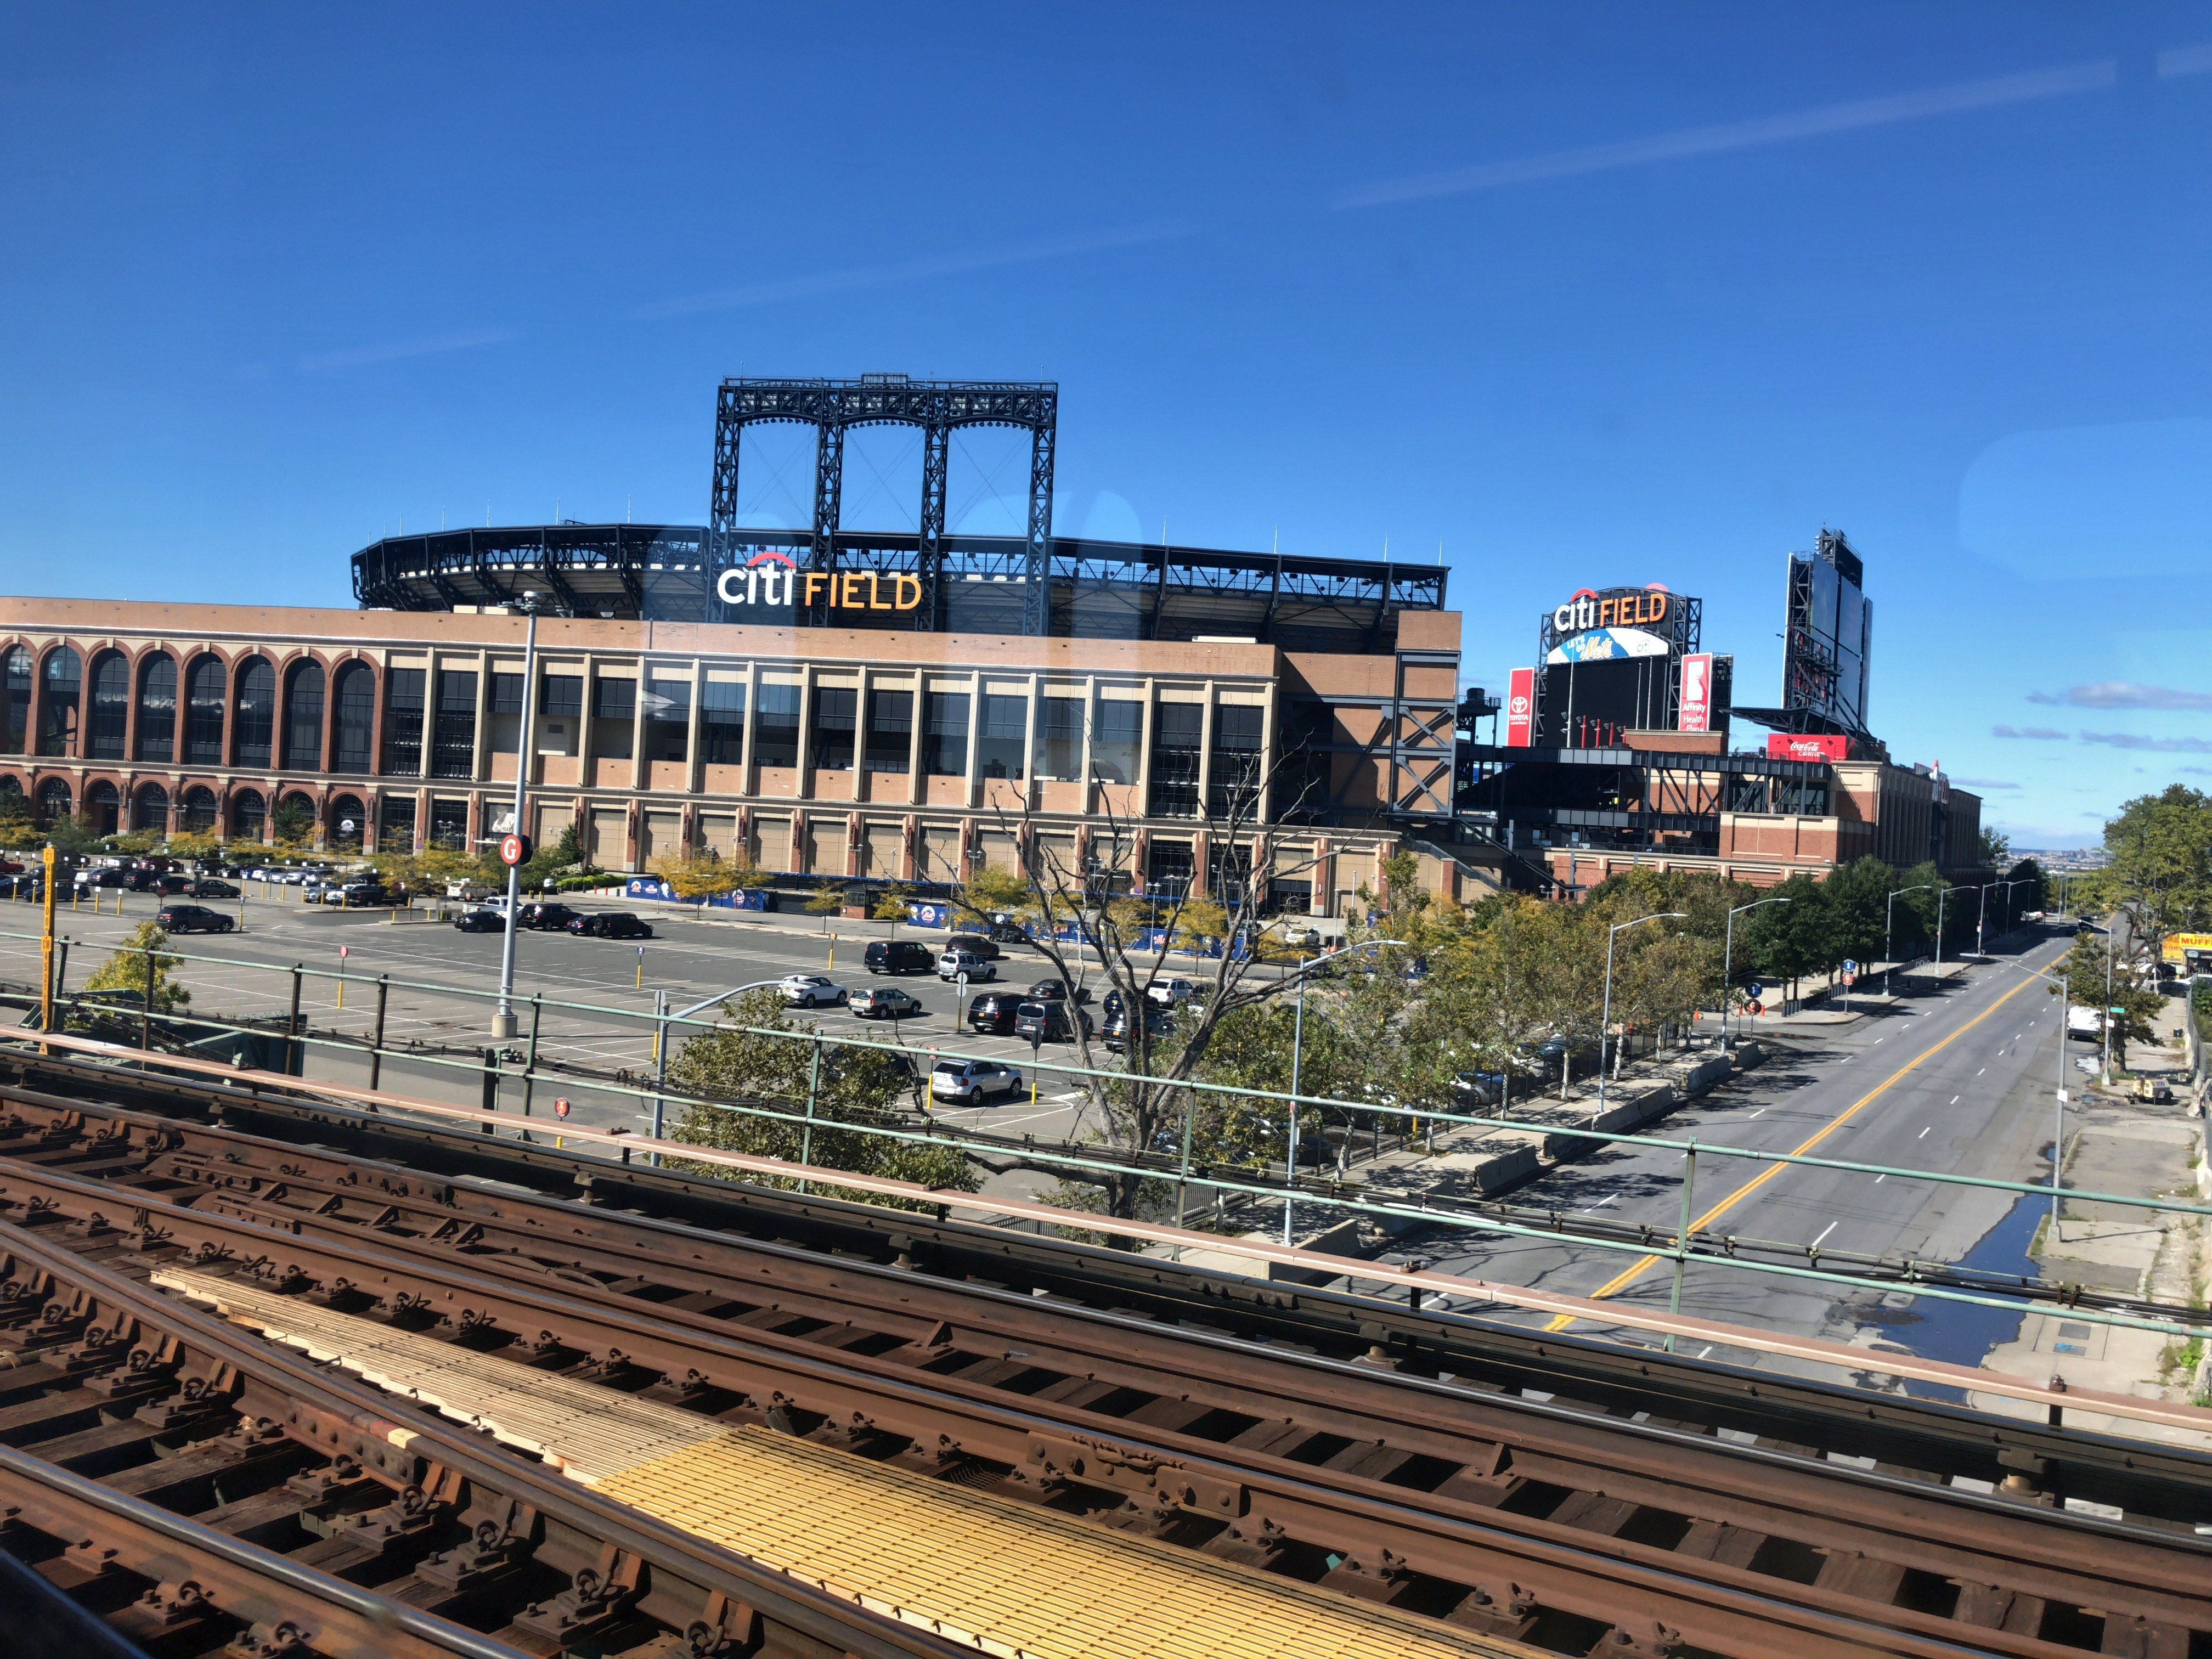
[(1617, 607), (771, 580)]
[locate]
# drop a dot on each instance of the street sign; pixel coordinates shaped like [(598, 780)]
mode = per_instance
[(513, 850), (1754, 991), (1850, 978), (1850, 966), (2116, 1011), (344, 950), (560, 1108)]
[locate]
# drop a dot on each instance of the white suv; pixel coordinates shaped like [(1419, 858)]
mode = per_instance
[(973, 1082), (953, 964)]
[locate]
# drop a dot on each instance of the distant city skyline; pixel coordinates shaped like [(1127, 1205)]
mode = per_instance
[(1564, 298)]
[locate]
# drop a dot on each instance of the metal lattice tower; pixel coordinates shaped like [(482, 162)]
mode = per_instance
[(834, 407)]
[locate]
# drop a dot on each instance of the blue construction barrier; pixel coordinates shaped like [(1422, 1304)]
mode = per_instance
[(660, 892)]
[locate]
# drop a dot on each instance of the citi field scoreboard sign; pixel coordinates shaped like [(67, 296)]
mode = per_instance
[(772, 582)]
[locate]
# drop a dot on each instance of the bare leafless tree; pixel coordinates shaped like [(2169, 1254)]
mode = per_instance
[(1124, 942)]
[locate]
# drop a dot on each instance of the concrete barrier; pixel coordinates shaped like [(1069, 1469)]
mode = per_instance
[(1705, 1075), (1745, 1055)]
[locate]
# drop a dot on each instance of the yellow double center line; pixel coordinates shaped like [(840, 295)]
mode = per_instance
[(1635, 1269)]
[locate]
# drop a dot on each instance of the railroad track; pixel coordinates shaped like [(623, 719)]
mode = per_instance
[(1425, 1466)]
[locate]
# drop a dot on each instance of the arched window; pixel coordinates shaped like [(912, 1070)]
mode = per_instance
[(347, 817), (150, 809), (53, 802), (303, 717), (157, 711), (255, 728), (199, 810), (203, 712), (65, 675), (15, 710), (103, 804), (295, 818), (355, 689), (248, 811), (111, 704)]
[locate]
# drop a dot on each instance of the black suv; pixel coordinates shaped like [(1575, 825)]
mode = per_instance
[(609, 924), (902, 955), (1049, 1021), (994, 1012), (547, 917), (975, 945), (194, 919)]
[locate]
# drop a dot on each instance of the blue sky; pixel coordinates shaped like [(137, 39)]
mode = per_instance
[(1581, 294)]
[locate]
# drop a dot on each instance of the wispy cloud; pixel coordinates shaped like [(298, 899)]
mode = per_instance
[(2200, 771), (1983, 783), (1723, 136), (2160, 745), (393, 351), (2176, 61), (910, 270), (2041, 734), (2122, 693)]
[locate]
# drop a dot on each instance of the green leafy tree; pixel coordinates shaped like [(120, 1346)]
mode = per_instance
[(991, 890), (825, 902), (698, 876), (2086, 970), (126, 969), (1856, 895), (890, 905), (293, 823), (569, 852), (1996, 847), (760, 1057), (2160, 868)]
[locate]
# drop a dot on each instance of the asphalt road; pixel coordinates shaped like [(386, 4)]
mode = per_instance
[(689, 959), (1958, 1080)]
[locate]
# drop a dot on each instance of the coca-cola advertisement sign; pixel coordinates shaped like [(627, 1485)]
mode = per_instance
[(1520, 708), (1781, 745)]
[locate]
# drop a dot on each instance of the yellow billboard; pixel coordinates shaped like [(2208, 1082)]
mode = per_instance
[(2178, 945)]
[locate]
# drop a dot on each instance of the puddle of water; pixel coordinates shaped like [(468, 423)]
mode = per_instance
[(1963, 1333)]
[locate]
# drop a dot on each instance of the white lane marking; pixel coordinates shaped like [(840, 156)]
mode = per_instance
[(1707, 1349), (1824, 1231), (1755, 1114), (1984, 1069), (1879, 1179), (1922, 1135), (1601, 1204), (1955, 1100), (1878, 1042)]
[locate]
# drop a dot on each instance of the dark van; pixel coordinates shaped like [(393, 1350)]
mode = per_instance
[(900, 955)]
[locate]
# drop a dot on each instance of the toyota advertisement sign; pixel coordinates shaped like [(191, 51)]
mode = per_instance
[(1520, 708)]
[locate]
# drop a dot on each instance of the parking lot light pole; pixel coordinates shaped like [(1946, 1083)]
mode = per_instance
[(1727, 959), (504, 1023), (1605, 1022), (1889, 933), (1942, 894)]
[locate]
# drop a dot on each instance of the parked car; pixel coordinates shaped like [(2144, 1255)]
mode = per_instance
[(158, 881), (975, 945), (609, 924), (1474, 1092), (888, 1003), (1170, 992), (955, 963), (360, 895), (1006, 932), (810, 991), (973, 1082), (546, 917), (994, 1012), (1300, 937), (1047, 990), (205, 887), (103, 878), (900, 955), (482, 920), (1159, 1023), (1050, 1021), (194, 919)]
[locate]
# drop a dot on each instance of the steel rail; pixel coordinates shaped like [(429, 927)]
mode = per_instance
[(2180, 1323), (1363, 1518), (240, 1580), (1852, 1360), (285, 1175)]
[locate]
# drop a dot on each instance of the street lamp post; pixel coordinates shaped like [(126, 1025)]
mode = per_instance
[(2105, 1075), (1942, 894), (1605, 1022), (504, 1023), (1727, 959), (1888, 935)]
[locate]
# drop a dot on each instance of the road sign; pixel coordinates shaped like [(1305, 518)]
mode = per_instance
[(1850, 966), (2116, 1011), (1851, 977), (1753, 990), (344, 950), (560, 1108), (513, 850)]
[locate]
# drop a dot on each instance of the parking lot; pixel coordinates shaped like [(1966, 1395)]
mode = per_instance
[(689, 958)]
